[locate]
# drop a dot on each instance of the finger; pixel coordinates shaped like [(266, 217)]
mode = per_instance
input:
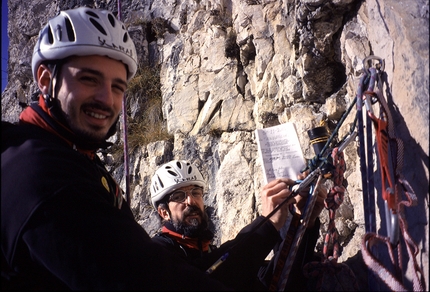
[(281, 196), (277, 186), (303, 174), (281, 180)]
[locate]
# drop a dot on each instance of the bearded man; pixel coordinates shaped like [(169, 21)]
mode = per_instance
[(177, 193)]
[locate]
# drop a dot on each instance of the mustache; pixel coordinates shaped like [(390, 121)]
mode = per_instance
[(94, 105), (192, 209)]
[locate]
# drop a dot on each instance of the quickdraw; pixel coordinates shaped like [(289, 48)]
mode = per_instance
[(390, 161), (385, 153)]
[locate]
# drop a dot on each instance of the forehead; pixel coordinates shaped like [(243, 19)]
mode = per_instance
[(99, 63)]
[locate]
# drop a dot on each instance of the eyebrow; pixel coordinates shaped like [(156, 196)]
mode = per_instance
[(99, 74)]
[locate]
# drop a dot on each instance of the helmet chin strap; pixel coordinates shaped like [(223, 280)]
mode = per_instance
[(50, 98)]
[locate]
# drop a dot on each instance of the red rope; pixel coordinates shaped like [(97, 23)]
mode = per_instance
[(329, 275), (332, 203)]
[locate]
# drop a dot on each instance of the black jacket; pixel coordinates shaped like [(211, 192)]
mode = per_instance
[(63, 227), (246, 254), (245, 267)]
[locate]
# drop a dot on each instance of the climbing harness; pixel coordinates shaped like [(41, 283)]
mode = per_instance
[(389, 151)]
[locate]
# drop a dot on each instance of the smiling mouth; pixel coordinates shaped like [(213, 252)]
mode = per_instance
[(96, 115)]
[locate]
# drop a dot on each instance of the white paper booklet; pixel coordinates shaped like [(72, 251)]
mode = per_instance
[(280, 151)]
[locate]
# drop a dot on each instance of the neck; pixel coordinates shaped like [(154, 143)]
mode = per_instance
[(41, 115)]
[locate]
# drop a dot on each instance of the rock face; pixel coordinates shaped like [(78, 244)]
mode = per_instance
[(229, 67)]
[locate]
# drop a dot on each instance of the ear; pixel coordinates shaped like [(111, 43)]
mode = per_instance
[(43, 78), (163, 213)]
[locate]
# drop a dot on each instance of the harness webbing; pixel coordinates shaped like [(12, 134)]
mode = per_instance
[(281, 260)]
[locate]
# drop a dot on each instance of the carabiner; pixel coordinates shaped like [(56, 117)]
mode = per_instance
[(302, 184), (347, 140), (380, 66), (392, 223)]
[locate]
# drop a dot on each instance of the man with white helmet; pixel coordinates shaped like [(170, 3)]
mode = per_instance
[(64, 225), (177, 193)]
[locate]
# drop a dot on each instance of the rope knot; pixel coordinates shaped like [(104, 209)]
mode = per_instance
[(334, 198)]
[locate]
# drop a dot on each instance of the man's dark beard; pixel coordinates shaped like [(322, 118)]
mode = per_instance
[(194, 229)]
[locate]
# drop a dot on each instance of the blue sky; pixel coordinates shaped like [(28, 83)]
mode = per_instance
[(4, 44)]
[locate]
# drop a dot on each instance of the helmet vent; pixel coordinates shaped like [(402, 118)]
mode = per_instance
[(50, 35), (98, 26), (90, 13), (69, 29), (190, 169), (111, 20), (125, 38), (160, 181), (172, 173)]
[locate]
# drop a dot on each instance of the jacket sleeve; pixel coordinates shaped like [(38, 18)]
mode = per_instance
[(245, 255)]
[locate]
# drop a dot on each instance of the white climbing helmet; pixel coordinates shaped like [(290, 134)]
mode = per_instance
[(85, 31), (174, 175)]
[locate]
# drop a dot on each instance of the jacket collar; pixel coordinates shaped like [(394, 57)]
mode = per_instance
[(191, 242), (40, 115)]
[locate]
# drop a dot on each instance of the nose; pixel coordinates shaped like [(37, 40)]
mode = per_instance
[(189, 199), (105, 95)]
